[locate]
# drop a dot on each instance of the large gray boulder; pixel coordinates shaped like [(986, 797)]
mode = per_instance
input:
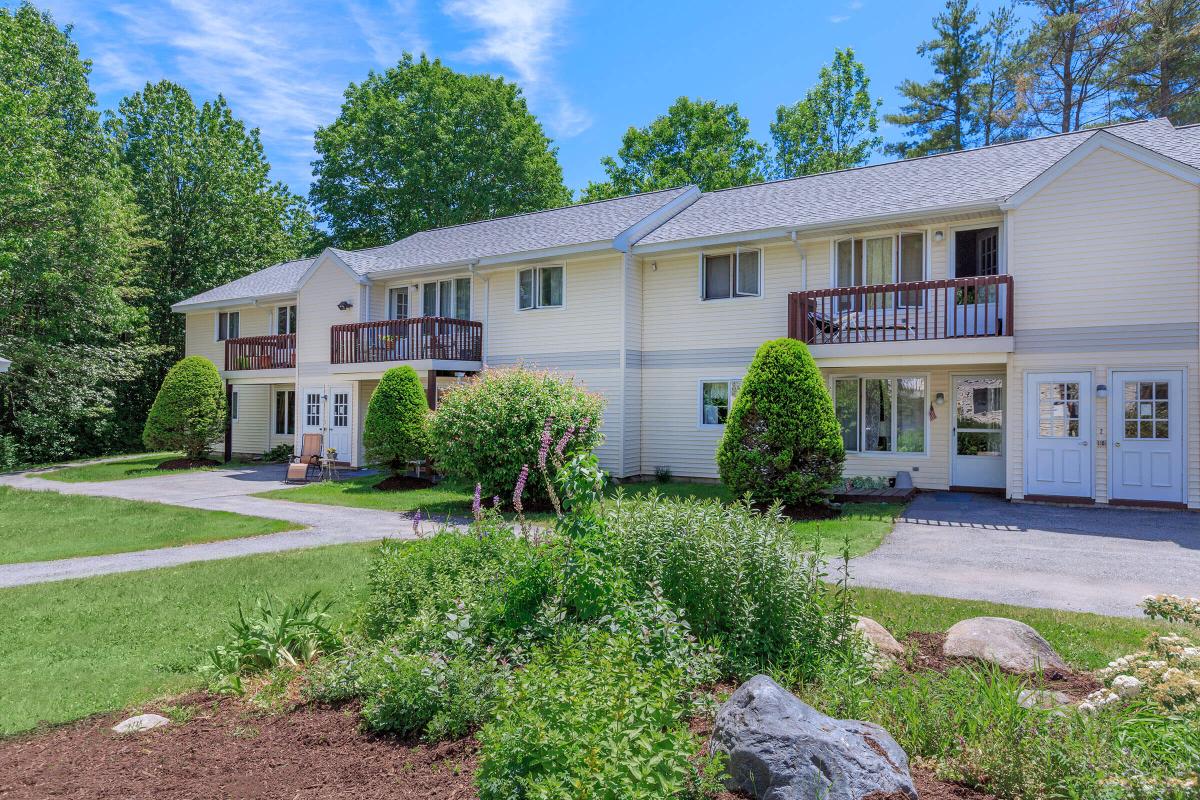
[(781, 748), (1010, 645)]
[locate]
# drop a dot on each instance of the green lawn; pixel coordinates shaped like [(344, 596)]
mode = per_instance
[(866, 524), (75, 648), (1086, 640), (140, 466), (42, 526)]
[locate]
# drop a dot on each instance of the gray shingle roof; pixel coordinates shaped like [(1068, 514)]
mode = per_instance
[(277, 279), (970, 176), (569, 226)]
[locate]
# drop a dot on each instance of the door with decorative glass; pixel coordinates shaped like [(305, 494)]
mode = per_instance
[(978, 427), (339, 423), (1058, 432), (1146, 412)]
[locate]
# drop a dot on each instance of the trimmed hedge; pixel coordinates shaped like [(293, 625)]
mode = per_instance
[(396, 430), (189, 412), (487, 428), (782, 440)]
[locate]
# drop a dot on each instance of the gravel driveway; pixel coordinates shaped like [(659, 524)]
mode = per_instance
[(970, 546)]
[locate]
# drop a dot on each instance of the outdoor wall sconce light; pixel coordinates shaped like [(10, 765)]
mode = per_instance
[(345, 304), (938, 236), (940, 398), (1101, 390)]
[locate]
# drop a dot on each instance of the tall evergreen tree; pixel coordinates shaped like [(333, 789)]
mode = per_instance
[(833, 127), (1158, 74), (67, 250), (699, 142), (210, 211), (1072, 46), (420, 146), (1000, 105), (941, 115)]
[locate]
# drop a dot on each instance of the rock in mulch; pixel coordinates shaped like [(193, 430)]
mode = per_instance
[(1046, 699), (1013, 646), (781, 748), (142, 722), (878, 637)]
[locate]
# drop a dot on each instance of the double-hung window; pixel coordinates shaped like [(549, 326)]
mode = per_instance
[(726, 275), (872, 261), (881, 415), (716, 398), (285, 412), (285, 319), (233, 405), (228, 324), (540, 287), (447, 298)]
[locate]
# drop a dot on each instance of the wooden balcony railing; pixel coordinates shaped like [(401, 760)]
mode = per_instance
[(261, 352), (958, 308), (413, 339)]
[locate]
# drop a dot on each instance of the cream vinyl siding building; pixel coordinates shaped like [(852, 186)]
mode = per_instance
[(1022, 318)]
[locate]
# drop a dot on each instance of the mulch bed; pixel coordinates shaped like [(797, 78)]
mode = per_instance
[(925, 651), (188, 463), (403, 483)]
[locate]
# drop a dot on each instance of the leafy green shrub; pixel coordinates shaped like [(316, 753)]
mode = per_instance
[(274, 634), (279, 454), (589, 719), (486, 429), (9, 459), (395, 431), (782, 440), (428, 695), (736, 576), (189, 412)]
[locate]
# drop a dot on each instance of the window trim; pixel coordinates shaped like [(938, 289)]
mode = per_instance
[(709, 426), (217, 325), (537, 287), (1001, 244), (895, 234), (293, 318), (392, 293), (735, 252), (233, 405), (863, 376), (437, 282)]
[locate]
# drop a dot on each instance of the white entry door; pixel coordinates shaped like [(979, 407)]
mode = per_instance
[(1147, 413), (978, 459), (339, 422), (1058, 430)]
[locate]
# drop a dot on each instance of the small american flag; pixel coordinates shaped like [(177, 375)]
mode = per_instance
[(932, 413)]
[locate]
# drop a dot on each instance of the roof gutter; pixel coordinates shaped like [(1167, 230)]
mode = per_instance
[(184, 307)]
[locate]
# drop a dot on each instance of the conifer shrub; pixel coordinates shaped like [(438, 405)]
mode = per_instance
[(396, 430), (782, 441), (189, 412)]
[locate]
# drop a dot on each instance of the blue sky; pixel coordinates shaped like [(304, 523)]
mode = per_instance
[(589, 68)]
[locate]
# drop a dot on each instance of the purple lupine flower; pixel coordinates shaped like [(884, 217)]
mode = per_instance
[(564, 441), (519, 490), (476, 505), (544, 450), (495, 501)]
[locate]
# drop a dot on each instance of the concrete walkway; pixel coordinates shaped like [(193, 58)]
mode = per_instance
[(216, 490), (1103, 560)]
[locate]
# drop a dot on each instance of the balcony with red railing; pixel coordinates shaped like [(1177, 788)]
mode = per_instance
[(261, 352), (415, 339), (978, 307)]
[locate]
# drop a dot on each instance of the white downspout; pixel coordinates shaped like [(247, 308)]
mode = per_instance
[(487, 306), (803, 262)]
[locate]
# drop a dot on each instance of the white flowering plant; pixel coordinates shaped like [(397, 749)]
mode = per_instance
[(1173, 608), (1167, 672)]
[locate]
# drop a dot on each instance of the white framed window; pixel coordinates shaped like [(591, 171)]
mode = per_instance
[(285, 319), (733, 274), (875, 260), (716, 400), (540, 287), (449, 298), (233, 405), (398, 303), (285, 412), (228, 325), (885, 414)]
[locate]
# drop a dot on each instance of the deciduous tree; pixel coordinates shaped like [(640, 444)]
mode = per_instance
[(699, 142), (833, 127), (189, 413), (421, 146)]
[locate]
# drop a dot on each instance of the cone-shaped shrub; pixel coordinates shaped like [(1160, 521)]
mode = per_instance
[(396, 431), (189, 412), (782, 440)]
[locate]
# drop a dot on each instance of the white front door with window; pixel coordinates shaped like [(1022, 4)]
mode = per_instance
[(978, 427), (1058, 434), (339, 422), (1146, 414)]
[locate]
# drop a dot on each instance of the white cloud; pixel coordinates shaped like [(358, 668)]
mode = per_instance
[(839, 18), (524, 35), (390, 32)]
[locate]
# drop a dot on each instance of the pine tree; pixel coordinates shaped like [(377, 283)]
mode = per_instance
[(1000, 104), (1158, 74), (941, 115)]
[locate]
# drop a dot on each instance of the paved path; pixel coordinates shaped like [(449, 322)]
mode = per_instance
[(218, 490), (1103, 560)]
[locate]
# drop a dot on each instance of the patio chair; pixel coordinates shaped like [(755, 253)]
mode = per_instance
[(309, 458)]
